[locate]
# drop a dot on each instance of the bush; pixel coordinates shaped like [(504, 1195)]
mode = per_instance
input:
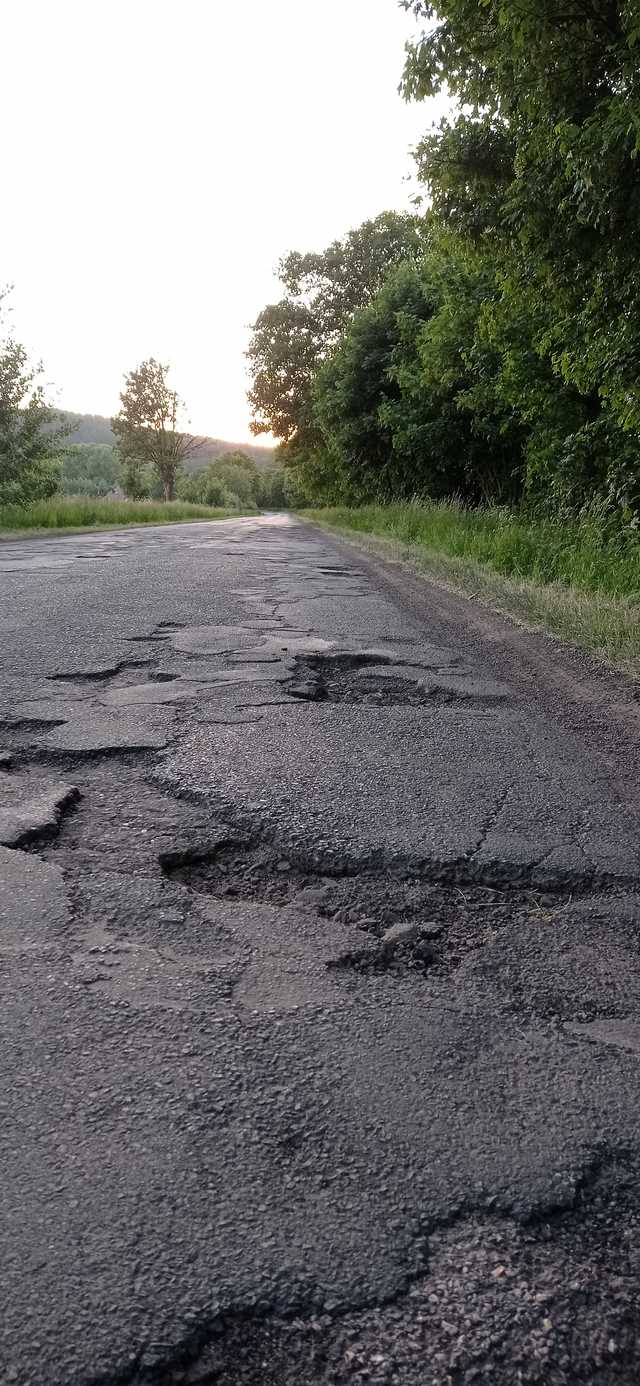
[(90, 469), (233, 480)]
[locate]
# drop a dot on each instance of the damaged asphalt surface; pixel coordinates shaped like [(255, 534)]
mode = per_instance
[(320, 908)]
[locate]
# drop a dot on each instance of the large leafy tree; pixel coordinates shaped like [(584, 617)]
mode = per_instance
[(502, 359), (402, 406), (557, 88), (322, 292), (148, 435), (286, 347), (31, 432), (357, 394)]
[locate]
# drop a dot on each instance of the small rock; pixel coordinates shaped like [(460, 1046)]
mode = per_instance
[(309, 691), (429, 928), (424, 951), (283, 865), (314, 897), (408, 932)]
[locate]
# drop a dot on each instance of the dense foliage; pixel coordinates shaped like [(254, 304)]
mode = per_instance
[(149, 440), (496, 355), (90, 469), (235, 482), (31, 433), (322, 291)]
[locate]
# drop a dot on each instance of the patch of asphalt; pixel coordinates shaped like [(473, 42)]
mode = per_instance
[(34, 904), (501, 1302), (31, 808), (455, 788), (319, 1033)]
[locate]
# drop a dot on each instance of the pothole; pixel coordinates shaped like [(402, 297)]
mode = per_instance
[(97, 673), (404, 915), (493, 1299), (408, 944), (233, 867), (254, 869), (381, 681), (539, 951), (336, 571)]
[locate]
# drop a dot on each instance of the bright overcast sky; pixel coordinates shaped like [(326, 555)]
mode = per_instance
[(163, 155)]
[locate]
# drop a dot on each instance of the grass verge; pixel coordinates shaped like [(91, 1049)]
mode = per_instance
[(572, 580), (73, 513)]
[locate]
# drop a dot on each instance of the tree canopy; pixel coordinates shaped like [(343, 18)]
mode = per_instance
[(496, 353), (322, 292), (235, 482), (147, 430), (31, 432)]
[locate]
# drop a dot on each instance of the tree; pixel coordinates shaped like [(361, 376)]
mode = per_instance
[(271, 489), (493, 348), (205, 488), (31, 432), (90, 469), (147, 433), (285, 349), (393, 403), (234, 480), (323, 291), (560, 87), (467, 166)]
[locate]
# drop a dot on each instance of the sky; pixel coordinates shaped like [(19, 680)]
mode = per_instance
[(164, 155)]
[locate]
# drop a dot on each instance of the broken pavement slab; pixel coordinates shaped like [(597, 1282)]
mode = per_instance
[(447, 787), (30, 808), (33, 902), (622, 1034), (406, 933), (94, 732)]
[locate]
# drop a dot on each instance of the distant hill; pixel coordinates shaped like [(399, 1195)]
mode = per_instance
[(94, 428)]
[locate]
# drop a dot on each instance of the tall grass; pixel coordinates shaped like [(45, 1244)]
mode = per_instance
[(91, 512), (579, 579), (583, 553)]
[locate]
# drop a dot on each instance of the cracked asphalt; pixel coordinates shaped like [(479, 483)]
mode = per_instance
[(320, 974)]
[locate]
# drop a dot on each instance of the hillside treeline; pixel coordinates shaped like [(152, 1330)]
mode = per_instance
[(489, 345), (232, 480), (45, 453)]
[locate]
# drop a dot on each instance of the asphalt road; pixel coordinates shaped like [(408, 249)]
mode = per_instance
[(320, 973)]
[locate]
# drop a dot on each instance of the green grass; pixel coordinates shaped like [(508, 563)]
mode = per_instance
[(79, 512), (580, 580)]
